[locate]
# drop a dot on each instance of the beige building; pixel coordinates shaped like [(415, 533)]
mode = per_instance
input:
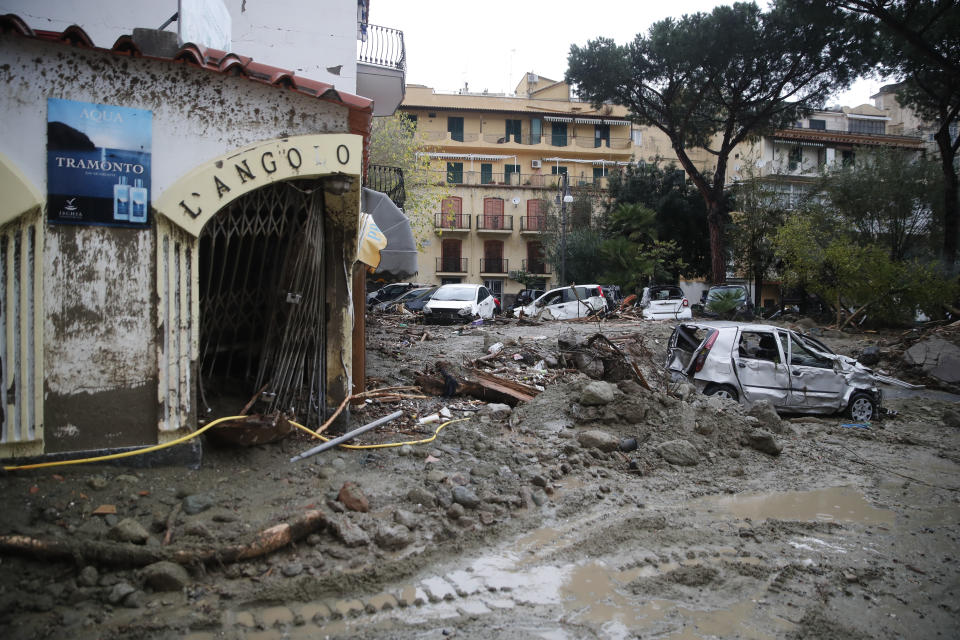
[(504, 157)]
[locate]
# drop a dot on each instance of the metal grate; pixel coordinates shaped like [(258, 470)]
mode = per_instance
[(261, 291)]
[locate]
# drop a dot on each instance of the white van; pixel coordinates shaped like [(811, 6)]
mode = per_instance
[(459, 303)]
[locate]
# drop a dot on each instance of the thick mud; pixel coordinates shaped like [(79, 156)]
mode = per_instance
[(529, 523)]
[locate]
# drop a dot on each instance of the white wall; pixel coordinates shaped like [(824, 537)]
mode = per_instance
[(301, 35)]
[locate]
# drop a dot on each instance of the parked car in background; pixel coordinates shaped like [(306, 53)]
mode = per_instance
[(391, 291), (613, 295), (664, 302), (565, 303), (452, 303), (417, 303), (402, 299), (728, 301), (794, 372)]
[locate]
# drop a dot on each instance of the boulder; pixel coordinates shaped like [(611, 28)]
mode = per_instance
[(597, 439), (763, 441), (349, 533), (466, 497), (951, 418), (936, 357), (597, 393), (165, 576), (679, 452), (588, 364), (766, 415), (197, 503), (392, 537), (869, 356), (495, 410), (129, 530)]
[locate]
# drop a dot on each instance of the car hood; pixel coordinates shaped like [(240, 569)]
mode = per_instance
[(449, 304)]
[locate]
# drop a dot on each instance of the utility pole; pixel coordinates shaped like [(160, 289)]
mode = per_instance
[(562, 199)]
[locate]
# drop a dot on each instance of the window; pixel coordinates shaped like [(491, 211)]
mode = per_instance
[(513, 129), (536, 215), (637, 136), (849, 157), (455, 128), (876, 127), (451, 210), (801, 356), (492, 213), (454, 173), (558, 171), (536, 130), (795, 157), (493, 261), (601, 134), (598, 173), (559, 137), (450, 255), (508, 172), (819, 125), (495, 285), (413, 120), (535, 258), (759, 345), (486, 173)]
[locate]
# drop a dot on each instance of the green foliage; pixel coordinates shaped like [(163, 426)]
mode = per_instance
[(712, 81), (527, 279), (394, 143), (583, 247), (680, 213), (724, 304)]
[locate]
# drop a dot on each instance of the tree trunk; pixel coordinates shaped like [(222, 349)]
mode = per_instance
[(951, 191), (718, 263)]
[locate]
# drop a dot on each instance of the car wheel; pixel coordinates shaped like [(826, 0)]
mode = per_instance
[(862, 407), (722, 391)]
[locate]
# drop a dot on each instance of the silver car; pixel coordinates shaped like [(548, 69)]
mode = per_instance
[(753, 362)]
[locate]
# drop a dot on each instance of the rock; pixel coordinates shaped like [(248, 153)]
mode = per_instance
[(597, 439), (349, 533), (405, 450), (466, 497), (570, 340), (456, 511), (88, 576), (951, 418), (763, 441), (129, 530), (97, 482), (197, 503), (119, 591), (165, 576), (135, 600), (628, 444), (406, 518), (937, 357), (766, 415), (538, 481), (496, 411), (352, 498), (597, 393), (679, 452), (588, 364), (292, 569), (806, 323), (870, 355), (392, 537)]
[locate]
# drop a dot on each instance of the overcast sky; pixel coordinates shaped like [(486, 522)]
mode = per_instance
[(491, 44)]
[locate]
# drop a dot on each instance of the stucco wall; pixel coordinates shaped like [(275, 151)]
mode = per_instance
[(100, 329)]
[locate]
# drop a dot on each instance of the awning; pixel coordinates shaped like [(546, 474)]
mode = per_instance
[(398, 256), (599, 121), (557, 119), (594, 162), (465, 156)]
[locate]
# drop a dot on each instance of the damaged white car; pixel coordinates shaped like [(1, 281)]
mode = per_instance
[(664, 302), (794, 372), (566, 303)]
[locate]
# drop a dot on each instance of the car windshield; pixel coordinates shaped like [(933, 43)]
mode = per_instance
[(456, 293), (413, 293), (423, 293), (716, 292)]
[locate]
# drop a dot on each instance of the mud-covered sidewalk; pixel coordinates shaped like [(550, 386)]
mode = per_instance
[(598, 509)]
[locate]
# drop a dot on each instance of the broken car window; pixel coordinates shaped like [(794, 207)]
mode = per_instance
[(801, 356), (759, 345)]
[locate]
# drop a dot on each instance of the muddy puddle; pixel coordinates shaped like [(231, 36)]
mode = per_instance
[(833, 504)]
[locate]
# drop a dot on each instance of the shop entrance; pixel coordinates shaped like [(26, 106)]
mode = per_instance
[(261, 281)]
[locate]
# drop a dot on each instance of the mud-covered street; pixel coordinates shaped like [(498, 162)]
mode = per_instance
[(597, 509)]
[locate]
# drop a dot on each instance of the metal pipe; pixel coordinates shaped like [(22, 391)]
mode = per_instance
[(347, 436)]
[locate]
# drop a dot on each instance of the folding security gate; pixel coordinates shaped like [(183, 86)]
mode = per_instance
[(262, 301)]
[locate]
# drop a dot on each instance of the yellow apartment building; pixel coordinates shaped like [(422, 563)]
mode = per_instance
[(504, 157)]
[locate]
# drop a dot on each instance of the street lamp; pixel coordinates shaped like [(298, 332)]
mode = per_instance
[(562, 199)]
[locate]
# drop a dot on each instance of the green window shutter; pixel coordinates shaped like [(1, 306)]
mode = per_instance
[(454, 173), (455, 128), (559, 137), (486, 174)]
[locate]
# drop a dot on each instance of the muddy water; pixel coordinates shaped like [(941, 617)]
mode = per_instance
[(834, 504)]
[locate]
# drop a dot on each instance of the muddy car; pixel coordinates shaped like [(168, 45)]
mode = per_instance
[(664, 302), (458, 303), (753, 362), (566, 303)]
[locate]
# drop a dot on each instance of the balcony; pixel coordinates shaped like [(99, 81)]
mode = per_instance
[(545, 141), (526, 180), (381, 68), (449, 222), (533, 224), (536, 267), (494, 265), (494, 223), (830, 136), (388, 180), (447, 264)]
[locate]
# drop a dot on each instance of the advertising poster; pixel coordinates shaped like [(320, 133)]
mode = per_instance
[(98, 164)]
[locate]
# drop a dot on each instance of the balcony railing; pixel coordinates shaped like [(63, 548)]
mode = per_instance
[(538, 267), (499, 178), (383, 47), (388, 180), (487, 222), (451, 265), (545, 140), (533, 223), (494, 265), (452, 221)]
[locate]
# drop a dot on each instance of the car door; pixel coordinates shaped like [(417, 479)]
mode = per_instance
[(761, 367), (551, 304), (485, 303), (815, 382)]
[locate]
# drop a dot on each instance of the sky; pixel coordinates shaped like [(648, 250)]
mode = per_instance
[(491, 44)]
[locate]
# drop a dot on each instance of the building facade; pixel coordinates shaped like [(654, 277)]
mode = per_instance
[(504, 159)]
